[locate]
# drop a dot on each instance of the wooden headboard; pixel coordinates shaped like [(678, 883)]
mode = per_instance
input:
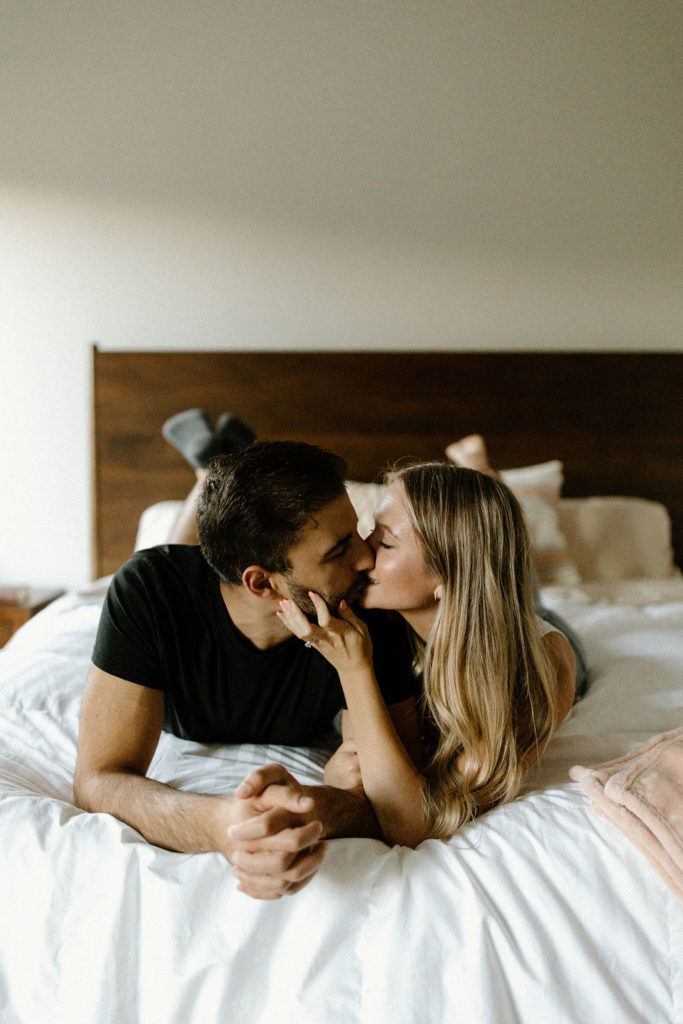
[(614, 419)]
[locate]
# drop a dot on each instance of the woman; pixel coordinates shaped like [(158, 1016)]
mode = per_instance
[(453, 558)]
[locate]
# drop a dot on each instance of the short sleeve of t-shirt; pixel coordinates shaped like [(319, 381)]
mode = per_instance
[(127, 642)]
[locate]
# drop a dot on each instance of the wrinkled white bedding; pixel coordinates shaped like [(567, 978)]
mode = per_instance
[(539, 911)]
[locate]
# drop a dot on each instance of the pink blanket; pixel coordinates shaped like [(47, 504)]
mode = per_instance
[(642, 794)]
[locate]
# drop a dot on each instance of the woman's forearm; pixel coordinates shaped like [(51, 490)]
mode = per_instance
[(392, 783)]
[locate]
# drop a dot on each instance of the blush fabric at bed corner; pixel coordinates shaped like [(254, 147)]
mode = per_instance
[(641, 794)]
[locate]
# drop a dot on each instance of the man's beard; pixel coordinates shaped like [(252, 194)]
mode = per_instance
[(303, 601)]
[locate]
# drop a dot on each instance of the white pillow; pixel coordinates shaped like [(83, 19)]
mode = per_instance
[(538, 489), (599, 539), (365, 498), (618, 538), (156, 521), (155, 524)]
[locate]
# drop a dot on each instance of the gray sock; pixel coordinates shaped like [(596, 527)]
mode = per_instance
[(191, 433), (233, 432), (231, 435)]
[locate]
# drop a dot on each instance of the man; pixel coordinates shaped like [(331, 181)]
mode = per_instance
[(189, 641)]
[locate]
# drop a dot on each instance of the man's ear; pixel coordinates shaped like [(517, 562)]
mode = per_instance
[(257, 581)]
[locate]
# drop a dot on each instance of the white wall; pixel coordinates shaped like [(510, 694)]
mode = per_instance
[(316, 175)]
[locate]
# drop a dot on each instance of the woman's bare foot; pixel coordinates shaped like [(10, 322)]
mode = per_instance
[(470, 453)]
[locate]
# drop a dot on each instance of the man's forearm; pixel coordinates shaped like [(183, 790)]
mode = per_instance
[(343, 812), (185, 822), (271, 838)]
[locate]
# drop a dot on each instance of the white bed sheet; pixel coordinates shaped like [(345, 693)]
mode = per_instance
[(540, 911)]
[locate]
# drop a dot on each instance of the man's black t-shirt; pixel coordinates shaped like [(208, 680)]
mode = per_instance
[(164, 625)]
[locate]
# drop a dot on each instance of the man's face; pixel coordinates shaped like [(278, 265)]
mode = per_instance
[(330, 558)]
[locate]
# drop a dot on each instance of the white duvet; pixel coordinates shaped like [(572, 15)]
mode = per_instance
[(540, 911)]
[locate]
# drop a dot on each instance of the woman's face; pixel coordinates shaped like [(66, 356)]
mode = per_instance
[(400, 580)]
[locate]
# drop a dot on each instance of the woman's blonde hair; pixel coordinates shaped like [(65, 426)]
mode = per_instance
[(490, 697)]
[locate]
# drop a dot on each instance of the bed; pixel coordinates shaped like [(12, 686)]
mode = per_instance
[(540, 910)]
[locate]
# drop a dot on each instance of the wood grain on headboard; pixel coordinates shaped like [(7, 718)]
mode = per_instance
[(614, 419)]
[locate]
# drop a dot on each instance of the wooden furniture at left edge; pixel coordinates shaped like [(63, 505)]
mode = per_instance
[(19, 604), (615, 419)]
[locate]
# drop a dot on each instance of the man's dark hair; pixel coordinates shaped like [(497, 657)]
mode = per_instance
[(256, 502)]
